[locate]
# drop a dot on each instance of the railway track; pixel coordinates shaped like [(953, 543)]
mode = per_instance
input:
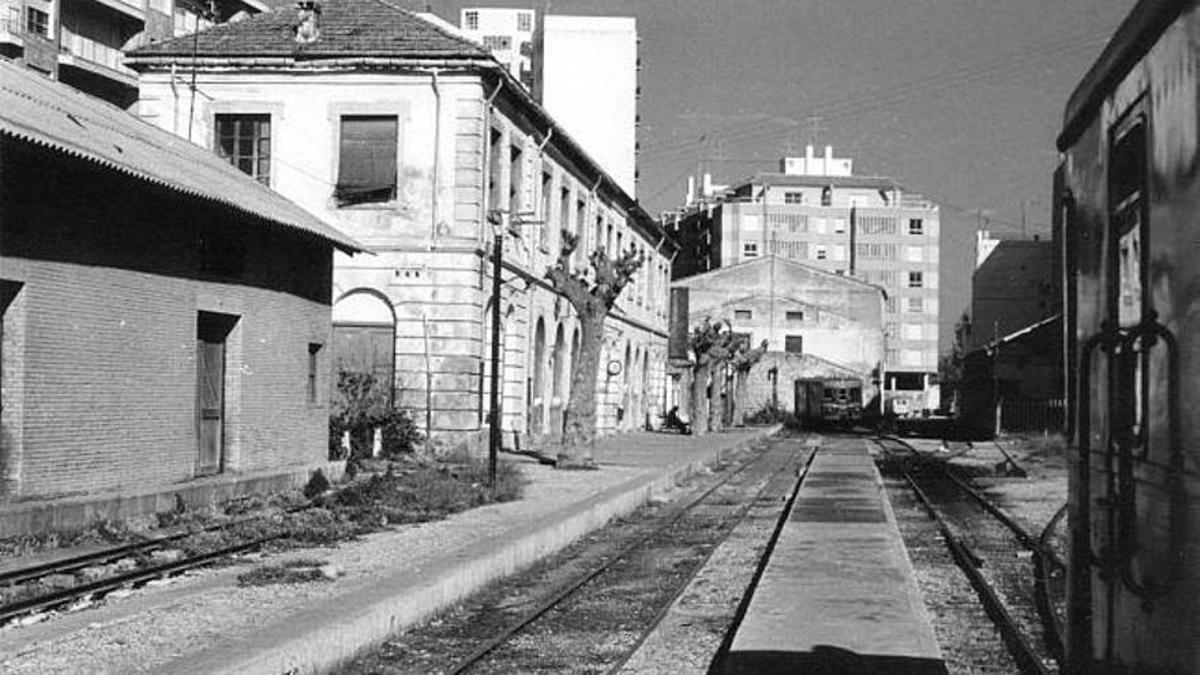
[(594, 617), (1014, 573), (78, 580)]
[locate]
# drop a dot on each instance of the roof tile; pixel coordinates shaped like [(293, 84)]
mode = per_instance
[(38, 110), (347, 28)]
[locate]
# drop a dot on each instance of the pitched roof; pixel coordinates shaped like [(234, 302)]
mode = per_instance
[(787, 262), (38, 110), (348, 28)]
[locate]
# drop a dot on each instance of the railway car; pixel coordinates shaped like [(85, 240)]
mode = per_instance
[(1127, 216), (829, 401)]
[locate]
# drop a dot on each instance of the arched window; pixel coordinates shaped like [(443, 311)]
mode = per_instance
[(536, 380), (557, 359), (364, 338)]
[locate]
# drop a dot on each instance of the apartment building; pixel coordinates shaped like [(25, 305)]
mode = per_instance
[(583, 69), (80, 42), (817, 211), (407, 137)]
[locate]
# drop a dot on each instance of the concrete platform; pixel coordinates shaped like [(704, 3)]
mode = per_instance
[(205, 623), (838, 593)]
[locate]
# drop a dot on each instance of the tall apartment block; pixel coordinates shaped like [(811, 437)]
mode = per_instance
[(583, 69), (80, 42), (816, 211)]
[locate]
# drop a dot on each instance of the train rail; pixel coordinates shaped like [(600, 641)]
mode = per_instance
[(1001, 588), (141, 569), (773, 468)]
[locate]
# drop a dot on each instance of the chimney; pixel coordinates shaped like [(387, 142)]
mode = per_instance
[(308, 21), (707, 187), (691, 190)]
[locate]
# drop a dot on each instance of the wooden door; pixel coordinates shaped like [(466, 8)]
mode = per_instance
[(210, 405)]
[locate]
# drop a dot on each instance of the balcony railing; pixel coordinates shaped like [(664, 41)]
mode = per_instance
[(95, 52)]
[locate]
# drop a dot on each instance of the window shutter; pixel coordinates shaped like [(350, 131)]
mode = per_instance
[(367, 159)]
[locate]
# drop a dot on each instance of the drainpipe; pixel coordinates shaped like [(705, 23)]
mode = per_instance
[(494, 416), (437, 153), (487, 151)]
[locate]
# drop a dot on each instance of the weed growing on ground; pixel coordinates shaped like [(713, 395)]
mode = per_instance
[(408, 491), (298, 570), (1047, 446)]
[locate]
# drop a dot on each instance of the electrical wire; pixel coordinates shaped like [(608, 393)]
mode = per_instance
[(896, 93)]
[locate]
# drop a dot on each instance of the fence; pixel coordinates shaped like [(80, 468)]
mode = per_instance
[(1032, 415)]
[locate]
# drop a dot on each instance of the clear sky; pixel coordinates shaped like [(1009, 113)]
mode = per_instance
[(957, 99)]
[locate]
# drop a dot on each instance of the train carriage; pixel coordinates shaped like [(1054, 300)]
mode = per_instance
[(1127, 216), (828, 401)]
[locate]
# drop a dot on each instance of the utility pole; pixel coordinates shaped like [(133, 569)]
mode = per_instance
[(496, 219)]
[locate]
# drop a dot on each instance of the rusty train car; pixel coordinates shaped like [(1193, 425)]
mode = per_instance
[(1127, 216)]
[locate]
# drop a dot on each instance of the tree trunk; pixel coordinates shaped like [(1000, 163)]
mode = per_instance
[(739, 393), (716, 410), (579, 434), (699, 402), (736, 408)]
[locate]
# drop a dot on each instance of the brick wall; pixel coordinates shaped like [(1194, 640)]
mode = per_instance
[(100, 343)]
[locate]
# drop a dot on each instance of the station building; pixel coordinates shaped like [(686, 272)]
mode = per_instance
[(817, 324), (815, 210), (164, 319), (407, 136)]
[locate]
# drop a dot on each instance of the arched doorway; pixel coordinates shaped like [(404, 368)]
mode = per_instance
[(535, 381), (364, 339), (626, 398), (647, 394), (557, 357)]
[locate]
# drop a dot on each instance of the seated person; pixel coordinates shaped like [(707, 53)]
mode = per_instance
[(674, 421)]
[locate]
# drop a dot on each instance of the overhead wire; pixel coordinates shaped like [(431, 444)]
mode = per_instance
[(900, 91), (858, 105)]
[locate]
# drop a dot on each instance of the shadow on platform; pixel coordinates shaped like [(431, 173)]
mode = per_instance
[(825, 660)]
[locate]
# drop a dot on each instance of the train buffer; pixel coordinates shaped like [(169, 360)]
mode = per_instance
[(838, 592)]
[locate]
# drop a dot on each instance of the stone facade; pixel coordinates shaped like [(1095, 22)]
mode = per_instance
[(470, 142)]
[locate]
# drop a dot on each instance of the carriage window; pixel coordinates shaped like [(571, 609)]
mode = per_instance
[(1127, 180)]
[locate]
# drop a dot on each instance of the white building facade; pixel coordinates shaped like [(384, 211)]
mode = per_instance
[(816, 211), (583, 69), (408, 151)]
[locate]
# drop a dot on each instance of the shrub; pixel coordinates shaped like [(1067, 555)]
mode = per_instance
[(317, 484), (360, 406), (769, 413)]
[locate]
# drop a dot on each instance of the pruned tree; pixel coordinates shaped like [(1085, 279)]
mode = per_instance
[(593, 299), (711, 347), (742, 362)]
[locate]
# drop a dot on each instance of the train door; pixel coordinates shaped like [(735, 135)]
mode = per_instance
[(809, 395), (1129, 418)]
